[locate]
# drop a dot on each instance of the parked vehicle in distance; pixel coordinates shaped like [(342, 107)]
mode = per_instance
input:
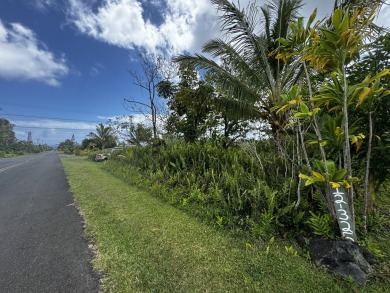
[(100, 157)]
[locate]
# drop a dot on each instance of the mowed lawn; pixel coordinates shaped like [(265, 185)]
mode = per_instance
[(143, 244)]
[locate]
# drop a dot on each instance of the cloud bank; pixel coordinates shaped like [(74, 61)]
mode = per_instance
[(23, 57), (52, 131), (186, 25), (172, 26)]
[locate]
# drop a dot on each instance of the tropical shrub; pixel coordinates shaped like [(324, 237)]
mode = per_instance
[(227, 187)]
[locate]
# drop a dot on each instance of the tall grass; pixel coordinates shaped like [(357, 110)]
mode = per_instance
[(245, 188), (249, 188)]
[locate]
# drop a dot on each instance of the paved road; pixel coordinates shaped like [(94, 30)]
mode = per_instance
[(42, 248)]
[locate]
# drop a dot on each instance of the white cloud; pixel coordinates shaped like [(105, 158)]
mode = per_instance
[(186, 24), (55, 124), (136, 118), (117, 22), (96, 69), (23, 57), (384, 15), (144, 119), (44, 5), (189, 24), (52, 131)]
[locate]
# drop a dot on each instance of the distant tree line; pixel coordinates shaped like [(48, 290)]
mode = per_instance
[(11, 146)]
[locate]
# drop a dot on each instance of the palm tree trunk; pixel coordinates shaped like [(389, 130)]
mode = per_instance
[(328, 191), (366, 178), (302, 139), (347, 146), (299, 160)]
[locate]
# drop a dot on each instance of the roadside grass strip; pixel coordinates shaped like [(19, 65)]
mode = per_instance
[(143, 244)]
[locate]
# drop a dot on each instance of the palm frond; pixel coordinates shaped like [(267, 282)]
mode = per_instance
[(231, 85), (236, 109), (241, 65), (290, 75), (266, 23), (253, 81), (287, 11), (238, 24)]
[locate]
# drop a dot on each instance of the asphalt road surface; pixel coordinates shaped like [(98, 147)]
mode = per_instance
[(42, 248)]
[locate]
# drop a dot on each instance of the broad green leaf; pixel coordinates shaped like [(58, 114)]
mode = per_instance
[(284, 42), (282, 109), (309, 182), (363, 95), (381, 74), (300, 115), (335, 108), (344, 23), (318, 175), (331, 36), (320, 166), (346, 184), (336, 18), (284, 97), (324, 143), (312, 142), (353, 179), (353, 18), (331, 168), (303, 176), (316, 110), (304, 108), (311, 19), (339, 174)]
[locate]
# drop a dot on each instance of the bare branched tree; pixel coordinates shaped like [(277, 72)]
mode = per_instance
[(154, 69)]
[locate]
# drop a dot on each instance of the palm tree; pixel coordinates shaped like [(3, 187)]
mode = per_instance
[(103, 136), (254, 78)]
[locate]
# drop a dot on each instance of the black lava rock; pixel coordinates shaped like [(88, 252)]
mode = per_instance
[(342, 257)]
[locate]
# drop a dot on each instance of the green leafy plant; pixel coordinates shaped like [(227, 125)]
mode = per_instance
[(321, 225), (291, 250), (268, 248), (373, 247), (337, 177), (219, 221), (375, 220)]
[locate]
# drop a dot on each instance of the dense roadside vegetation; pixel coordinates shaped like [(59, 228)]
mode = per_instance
[(318, 92), (259, 142), (143, 244), (233, 190)]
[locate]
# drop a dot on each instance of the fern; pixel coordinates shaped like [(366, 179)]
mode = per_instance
[(321, 225)]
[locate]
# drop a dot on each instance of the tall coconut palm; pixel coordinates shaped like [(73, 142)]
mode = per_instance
[(254, 78), (103, 136)]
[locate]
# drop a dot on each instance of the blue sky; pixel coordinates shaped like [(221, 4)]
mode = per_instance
[(64, 64)]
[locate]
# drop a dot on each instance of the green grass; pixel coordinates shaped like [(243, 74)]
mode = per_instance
[(143, 244)]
